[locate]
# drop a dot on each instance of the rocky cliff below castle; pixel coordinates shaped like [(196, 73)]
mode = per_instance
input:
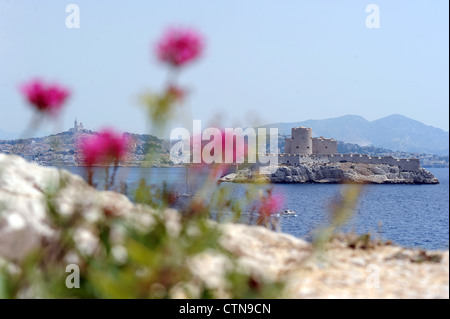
[(332, 173)]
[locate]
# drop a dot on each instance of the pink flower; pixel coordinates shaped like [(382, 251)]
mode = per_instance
[(106, 147), (270, 205), (179, 46), (47, 98)]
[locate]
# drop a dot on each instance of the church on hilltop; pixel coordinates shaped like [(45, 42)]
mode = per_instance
[(78, 127)]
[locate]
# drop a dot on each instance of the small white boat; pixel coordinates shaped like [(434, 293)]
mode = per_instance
[(288, 212), (185, 195)]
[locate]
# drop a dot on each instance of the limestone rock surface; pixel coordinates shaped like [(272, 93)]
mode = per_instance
[(332, 173)]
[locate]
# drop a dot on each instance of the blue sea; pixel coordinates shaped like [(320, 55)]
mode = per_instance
[(408, 215)]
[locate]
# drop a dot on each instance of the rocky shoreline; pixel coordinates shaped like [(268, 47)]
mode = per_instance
[(332, 173), (342, 271)]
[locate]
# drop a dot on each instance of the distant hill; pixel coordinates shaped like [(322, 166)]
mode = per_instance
[(61, 149), (394, 132)]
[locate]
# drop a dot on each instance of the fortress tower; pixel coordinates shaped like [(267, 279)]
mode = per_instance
[(301, 141)]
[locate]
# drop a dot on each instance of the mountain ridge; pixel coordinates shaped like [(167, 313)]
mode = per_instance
[(396, 132)]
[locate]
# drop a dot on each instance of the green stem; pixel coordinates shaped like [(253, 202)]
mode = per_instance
[(106, 178), (90, 175)]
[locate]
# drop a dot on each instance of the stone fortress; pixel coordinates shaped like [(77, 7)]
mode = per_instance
[(302, 148), (302, 142)]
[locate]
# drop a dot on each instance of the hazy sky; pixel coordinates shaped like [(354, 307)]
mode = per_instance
[(265, 61)]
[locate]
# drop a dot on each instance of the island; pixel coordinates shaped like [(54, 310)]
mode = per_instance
[(315, 160)]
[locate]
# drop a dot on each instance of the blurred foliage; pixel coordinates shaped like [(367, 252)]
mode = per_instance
[(154, 251), (161, 106), (150, 254), (145, 256), (424, 256)]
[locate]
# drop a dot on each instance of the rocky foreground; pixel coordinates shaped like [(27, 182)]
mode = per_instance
[(341, 271), (332, 173)]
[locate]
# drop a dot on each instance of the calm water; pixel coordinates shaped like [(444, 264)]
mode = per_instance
[(409, 215)]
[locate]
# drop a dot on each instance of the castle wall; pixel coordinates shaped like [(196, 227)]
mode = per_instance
[(287, 145), (301, 142), (322, 145), (412, 164), (295, 159), (301, 148)]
